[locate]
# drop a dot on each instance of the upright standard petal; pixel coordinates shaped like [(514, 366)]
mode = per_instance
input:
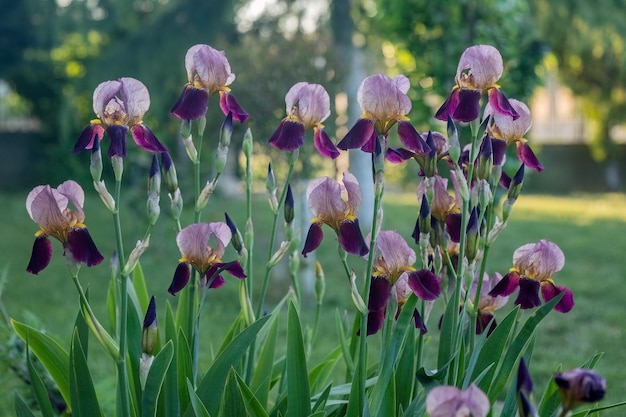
[(396, 253), (136, 99), (480, 67), (211, 67), (308, 103), (103, 94), (45, 206)]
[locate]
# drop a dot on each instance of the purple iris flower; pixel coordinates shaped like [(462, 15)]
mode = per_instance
[(335, 205), (50, 209), (448, 401), (208, 72), (308, 105), (384, 102), (120, 106), (480, 67), (202, 246), (394, 274), (534, 265)]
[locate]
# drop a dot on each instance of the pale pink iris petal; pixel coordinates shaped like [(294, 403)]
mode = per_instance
[(46, 207), (103, 94), (447, 401), (509, 129), (402, 83), (293, 95), (75, 194), (324, 198), (313, 103), (539, 260), (395, 251), (210, 65), (383, 98), (194, 240), (355, 197), (136, 99), (483, 63)]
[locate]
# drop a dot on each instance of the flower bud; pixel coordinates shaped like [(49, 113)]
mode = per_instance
[(105, 196), (149, 329), (248, 145), (135, 254), (176, 204), (580, 386), (472, 235), (278, 255), (118, 166), (201, 122), (320, 282), (485, 159), (516, 184), (190, 148), (168, 170), (145, 363), (524, 390), (289, 211), (221, 158), (270, 186), (153, 208), (205, 194), (95, 167), (430, 161), (237, 239), (424, 217), (226, 130), (453, 140), (185, 128)]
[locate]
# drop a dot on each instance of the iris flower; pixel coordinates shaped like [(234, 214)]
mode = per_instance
[(336, 205), (202, 246), (384, 102), (208, 72), (480, 67), (394, 274), (506, 128), (487, 304), (308, 105), (534, 264), (448, 401), (120, 106), (580, 386), (49, 208)]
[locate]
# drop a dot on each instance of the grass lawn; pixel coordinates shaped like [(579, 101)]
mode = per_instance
[(589, 228)]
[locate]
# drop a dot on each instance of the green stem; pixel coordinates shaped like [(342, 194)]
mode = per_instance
[(268, 269), (123, 386)]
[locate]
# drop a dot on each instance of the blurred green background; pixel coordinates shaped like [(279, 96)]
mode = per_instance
[(566, 58)]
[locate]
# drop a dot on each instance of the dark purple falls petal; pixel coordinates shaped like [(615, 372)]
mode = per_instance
[(411, 139), (448, 106), (145, 139), (229, 104), (549, 291), (82, 247), (398, 155), (361, 133), (351, 239), (527, 156), (528, 296), (468, 108), (41, 254), (117, 136), (313, 238), (379, 294), (500, 104), (180, 279), (425, 284), (87, 138), (192, 103), (289, 136), (507, 285), (324, 145)]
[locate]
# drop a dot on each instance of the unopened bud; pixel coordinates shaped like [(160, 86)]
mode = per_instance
[(278, 255), (176, 204), (248, 145), (221, 158), (135, 254), (118, 166), (320, 282), (429, 167), (95, 167), (105, 196), (270, 186), (289, 211), (226, 130), (145, 363), (201, 123), (515, 188), (153, 208), (185, 128), (190, 148), (205, 194), (424, 218), (454, 149), (168, 171), (463, 190), (484, 194), (149, 329), (154, 179), (485, 159), (471, 249), (237, 239)]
